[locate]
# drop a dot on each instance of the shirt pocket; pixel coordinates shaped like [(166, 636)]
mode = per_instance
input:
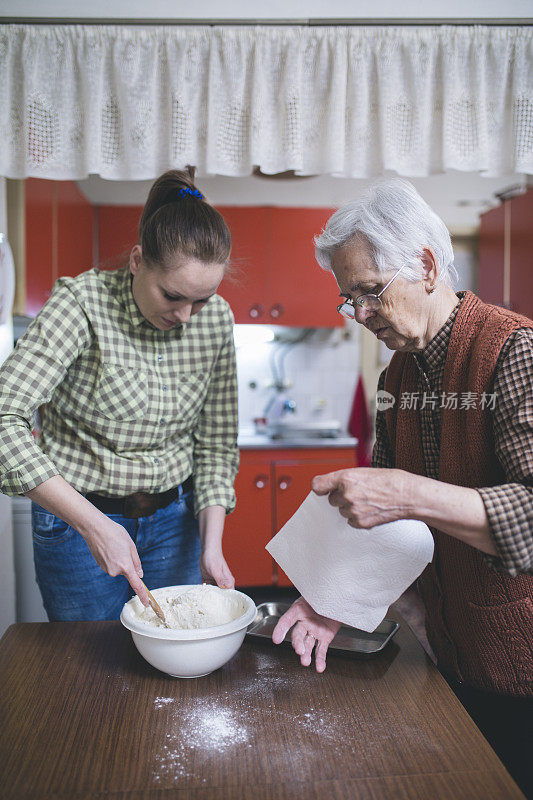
[(121, 392), (188, 396)]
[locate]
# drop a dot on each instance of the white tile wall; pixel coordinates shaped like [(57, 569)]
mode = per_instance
[(322, 371)]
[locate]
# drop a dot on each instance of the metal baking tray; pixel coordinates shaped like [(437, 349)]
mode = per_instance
[(348, 641)]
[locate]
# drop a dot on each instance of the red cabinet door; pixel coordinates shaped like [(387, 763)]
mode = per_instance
[(40, 267), (521, 254), (268, 493), (292, 484), (491, 255), (276, 278), (302, 293), (246, 287), (118, 231), (249, 527), (74, 230), (59, 237)]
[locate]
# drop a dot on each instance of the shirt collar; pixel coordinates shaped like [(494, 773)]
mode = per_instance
[(127, 301), (434, 352)]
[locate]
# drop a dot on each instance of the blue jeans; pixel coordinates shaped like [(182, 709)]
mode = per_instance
[(74, 587)]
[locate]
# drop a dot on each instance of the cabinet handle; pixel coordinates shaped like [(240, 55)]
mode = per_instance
[(284, 482), (256, 311), (276, 311), (261, 481)]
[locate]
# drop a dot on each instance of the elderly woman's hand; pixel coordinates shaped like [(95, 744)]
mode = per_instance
[(310, 629), (366, 496)]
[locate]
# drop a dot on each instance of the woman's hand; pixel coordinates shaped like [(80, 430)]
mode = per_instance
[(110, 544), (367, 496), (114, 551), (213, 565), (214, 569), (310, 629)]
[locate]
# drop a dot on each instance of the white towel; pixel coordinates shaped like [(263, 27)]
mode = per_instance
[(350, 574)]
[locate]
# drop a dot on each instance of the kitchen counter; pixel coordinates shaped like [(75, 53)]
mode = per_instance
[(84, 716), (248, 440)]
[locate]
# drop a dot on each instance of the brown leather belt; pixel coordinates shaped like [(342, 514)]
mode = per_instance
[(138, 504)]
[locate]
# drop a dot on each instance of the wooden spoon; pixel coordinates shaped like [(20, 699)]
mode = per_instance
[(155, 606)]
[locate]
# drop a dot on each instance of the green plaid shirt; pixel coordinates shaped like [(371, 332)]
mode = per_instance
[(128, 407)]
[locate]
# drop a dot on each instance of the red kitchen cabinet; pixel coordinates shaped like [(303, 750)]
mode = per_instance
[(277, 279), (247, 285), (40, 215), (491, 255), (274, 277), (270, 486), (249, 527), (292, 484), (303, 294), (521, 254), (59, 237), (505, 255), (118, 231), (74, 230)]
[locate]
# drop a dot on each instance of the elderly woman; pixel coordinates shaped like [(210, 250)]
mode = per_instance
[(454, 448)]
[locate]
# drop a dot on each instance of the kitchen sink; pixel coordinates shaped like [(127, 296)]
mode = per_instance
[(290, 428)]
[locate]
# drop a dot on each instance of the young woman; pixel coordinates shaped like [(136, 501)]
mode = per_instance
[(133, 473)]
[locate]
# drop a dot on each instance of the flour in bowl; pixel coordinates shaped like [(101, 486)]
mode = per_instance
[(198, 607)]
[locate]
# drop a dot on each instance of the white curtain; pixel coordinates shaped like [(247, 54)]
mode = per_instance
[(128, 102)]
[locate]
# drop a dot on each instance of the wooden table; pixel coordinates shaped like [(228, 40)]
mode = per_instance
[(83, 715)]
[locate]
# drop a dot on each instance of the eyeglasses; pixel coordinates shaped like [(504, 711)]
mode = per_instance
[(370, 302)]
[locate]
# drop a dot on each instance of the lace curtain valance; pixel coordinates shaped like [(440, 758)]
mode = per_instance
[(128, 102)]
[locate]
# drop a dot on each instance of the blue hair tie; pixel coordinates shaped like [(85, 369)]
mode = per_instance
[(194, 192)]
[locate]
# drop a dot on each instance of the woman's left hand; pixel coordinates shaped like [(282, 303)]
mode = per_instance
[(213, 565), (214, 569), (311, 630), (368, 496)]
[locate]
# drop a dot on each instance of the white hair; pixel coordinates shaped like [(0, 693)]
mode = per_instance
[(397, 224)]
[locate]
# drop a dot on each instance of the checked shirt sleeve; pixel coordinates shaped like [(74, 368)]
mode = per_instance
[(381, 454), (28, 378), (216, 457), (509, 507)]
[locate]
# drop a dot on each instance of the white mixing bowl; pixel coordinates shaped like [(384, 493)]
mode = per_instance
[(187, 653)]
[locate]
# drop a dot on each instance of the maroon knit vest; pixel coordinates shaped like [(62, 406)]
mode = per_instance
[(479, 622)]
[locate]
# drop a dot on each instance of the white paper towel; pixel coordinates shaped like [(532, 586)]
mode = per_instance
[(350, 574)]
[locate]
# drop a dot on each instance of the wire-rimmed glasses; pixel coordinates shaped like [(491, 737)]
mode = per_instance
[(370, 302)]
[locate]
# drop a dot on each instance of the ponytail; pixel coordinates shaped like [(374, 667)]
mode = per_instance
[(177, 218)]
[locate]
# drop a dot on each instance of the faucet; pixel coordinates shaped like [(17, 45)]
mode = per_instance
[(278, 406)]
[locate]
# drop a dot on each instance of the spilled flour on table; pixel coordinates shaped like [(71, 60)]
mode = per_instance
[(200, 730), (204, 735), (197, 729), (161, 702)]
